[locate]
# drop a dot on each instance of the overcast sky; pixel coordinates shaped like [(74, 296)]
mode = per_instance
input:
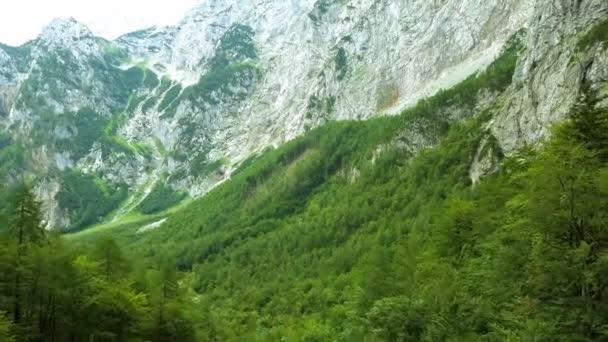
[(22, 20)]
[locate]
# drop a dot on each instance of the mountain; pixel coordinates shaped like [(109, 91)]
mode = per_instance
[(422, 226), (168, 112), (363, 171)]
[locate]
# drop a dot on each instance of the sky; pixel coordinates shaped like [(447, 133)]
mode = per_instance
[(22, 20)]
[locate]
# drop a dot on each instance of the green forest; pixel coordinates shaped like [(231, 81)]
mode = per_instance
[(356, 231), (51, 290)]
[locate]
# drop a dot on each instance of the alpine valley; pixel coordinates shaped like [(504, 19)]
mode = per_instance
[(318, 170)]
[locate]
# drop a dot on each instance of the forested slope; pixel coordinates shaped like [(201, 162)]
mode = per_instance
[(374, 231), (358, 231)]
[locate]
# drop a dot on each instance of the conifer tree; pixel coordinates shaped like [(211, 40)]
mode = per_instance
[(26, 228)]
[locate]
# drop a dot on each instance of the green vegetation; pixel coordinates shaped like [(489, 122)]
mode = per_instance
[(229, 66), (19, 53), (52, 291), (597, 34), (143, 149), (52, 67), (160, 198), (170, 97), (344, 234), (202, 167), (88, 199), (84, 128), (134, 102), (220, 80), (89, 128), (356, 231), (341, 64), (150, 80), (114, 54), (5, 329), (125, 228), (5, 140), (320, 107), (139, 76), (13, 157), (236, 46), (496, 78), (20, 57), (87, 125), (149, 104), (293, 207), (300, 248), (133, 77), (114, 143), (75, 132), (165, 84), (230, 74)]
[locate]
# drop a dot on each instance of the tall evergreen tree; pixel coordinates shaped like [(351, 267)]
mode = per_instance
[(26, 228), (113, 262), (26, 219)]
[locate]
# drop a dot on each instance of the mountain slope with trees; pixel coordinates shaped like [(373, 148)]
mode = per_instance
[(375, 230), (438, 224)]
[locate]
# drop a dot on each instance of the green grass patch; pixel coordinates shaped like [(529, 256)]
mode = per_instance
[(170, 96), (87, 198), (597, 34), (160, 198)]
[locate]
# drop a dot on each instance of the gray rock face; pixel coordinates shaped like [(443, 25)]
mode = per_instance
[(67, 33), (552, 73), (183, 105), (323, 60)]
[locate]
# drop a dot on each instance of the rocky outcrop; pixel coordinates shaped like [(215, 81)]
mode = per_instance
[(552, 71)]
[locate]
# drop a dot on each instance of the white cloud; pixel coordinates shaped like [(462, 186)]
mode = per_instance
[(22, 20)]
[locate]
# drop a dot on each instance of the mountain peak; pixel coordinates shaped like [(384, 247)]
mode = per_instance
[(60, 30)]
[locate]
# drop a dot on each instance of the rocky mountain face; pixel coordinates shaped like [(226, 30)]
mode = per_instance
[(101, 126)]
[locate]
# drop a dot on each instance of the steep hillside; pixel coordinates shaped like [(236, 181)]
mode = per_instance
[(373, 230), (177, 108)]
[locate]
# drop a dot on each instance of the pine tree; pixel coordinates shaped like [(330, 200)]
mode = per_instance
[(113, 262), (26, 227), (26, 219)]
